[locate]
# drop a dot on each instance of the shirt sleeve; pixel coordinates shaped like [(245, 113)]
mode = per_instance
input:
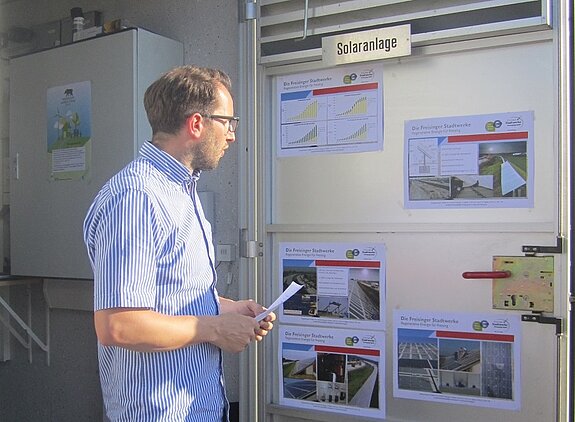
[(125, 244)]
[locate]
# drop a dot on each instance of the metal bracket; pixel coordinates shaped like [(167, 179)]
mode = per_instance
[(532, 250), (251, 10), (558, 322), (305, 19)]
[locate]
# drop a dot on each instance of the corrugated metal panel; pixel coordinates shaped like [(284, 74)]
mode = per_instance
[(281, 23)]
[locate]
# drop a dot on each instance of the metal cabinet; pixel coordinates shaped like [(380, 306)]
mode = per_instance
[(51, 189)]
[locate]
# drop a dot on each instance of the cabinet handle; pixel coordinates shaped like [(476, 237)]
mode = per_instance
[(486, 274)]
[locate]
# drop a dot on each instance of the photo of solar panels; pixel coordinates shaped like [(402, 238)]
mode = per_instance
[(304, 302), (454, 366), (361, 303), (502, 173), (333, 378)]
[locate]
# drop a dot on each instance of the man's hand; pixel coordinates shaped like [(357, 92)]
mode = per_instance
[(234, 332), (252, 309)]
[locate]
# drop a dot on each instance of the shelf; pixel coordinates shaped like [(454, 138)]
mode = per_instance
[(26, 341)]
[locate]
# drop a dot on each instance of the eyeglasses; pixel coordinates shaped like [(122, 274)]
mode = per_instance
[(233, 121)]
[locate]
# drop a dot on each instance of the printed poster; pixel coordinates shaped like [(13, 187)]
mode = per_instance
[(69, 127), (338, 110), (334, 370), (479, 161), (343, 284), (461, 359)]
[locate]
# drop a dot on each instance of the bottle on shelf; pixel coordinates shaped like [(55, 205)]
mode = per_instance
[(77, 19)]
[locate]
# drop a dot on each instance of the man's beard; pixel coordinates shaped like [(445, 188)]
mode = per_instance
[(204, 157)]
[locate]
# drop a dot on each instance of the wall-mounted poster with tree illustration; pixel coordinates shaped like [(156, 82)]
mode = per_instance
[(69, 127)]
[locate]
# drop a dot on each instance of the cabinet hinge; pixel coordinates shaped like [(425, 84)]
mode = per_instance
[(532, 250), (557, 322), (250, 248)]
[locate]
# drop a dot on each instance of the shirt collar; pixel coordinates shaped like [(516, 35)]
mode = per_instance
[(167, 164)]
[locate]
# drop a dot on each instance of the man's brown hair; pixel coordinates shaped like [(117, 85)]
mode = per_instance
[(179, 93)]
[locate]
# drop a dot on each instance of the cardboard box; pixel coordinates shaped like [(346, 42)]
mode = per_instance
[(92, 18), (90, 32), (46, 35), (116, 25)]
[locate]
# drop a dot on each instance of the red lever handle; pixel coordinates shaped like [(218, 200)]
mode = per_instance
[(486, 274)]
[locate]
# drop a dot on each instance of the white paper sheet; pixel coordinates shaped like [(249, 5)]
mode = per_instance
[(289, 292)]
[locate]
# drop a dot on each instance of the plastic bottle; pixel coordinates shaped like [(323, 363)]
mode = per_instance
[(77, 19)]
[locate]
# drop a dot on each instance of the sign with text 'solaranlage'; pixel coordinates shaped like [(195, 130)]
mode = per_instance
[(363, 46)]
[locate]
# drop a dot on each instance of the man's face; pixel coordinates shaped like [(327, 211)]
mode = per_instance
[(217, 135)]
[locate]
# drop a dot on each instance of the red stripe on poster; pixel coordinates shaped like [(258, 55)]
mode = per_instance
[(347, 88), (347, 350), (488, 137), (475, 336), (354, 264)]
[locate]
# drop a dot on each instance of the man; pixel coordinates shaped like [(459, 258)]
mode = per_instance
[(160, 324)]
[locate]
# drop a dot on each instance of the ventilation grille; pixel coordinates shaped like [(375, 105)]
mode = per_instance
[(281, 23)]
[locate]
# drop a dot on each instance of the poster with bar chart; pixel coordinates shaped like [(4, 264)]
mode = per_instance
[(331, 111)]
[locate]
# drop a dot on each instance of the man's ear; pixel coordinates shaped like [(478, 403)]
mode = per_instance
[(195, 125)]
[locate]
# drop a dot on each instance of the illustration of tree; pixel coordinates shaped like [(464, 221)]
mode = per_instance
[(59, 123), (75, 120), (65, 128)]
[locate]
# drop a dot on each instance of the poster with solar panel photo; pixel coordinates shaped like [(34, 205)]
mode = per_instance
[(477, 161), (462, 359), (335, 370), (343, 284)]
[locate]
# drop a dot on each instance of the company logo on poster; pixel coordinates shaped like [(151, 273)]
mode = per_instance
[(480, 325), (350, 341)]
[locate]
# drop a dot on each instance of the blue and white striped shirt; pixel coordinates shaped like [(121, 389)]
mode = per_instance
[(150, 246)]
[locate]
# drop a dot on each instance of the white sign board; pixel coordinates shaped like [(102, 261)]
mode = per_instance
[(363, 46)]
